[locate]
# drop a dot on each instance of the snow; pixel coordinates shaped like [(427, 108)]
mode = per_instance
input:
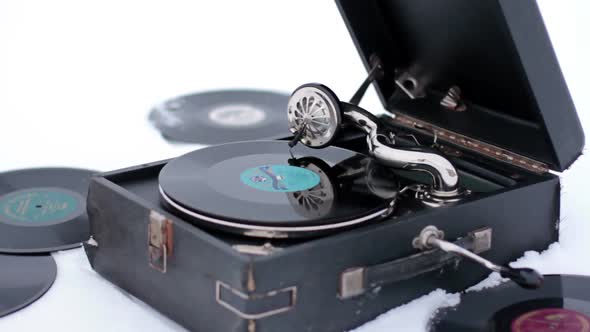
[(414, 316), (77, 79)]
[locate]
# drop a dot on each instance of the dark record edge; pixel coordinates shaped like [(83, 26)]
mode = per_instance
[(284, 137), (439, 315), (257, 141), (291, 224), (229, 90), (49, 250), (270, 231), (284, 142), (49, 168), (159, 107), (38, 295), (384, 207)]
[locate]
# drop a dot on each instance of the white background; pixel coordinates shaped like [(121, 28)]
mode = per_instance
[(77, 79)]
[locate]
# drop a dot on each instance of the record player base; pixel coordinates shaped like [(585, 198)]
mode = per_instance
[(206, 282)]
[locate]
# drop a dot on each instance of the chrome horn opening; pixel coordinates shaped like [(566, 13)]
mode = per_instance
[(314, 114)]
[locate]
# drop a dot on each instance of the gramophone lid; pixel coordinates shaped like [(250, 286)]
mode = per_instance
[(497, 52)]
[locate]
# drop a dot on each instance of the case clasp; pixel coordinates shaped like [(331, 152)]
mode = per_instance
[(160, 241), (255, 306)]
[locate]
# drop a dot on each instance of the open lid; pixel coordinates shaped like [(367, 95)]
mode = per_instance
[(497, 52)]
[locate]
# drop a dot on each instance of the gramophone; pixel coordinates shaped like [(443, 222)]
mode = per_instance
[(458, 167)]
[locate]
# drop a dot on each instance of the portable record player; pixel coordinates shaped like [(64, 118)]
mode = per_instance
[(356, 214)]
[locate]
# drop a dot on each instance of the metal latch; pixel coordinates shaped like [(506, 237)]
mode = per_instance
[(482, 240), (255, 306), (160, 241), (263, 250)]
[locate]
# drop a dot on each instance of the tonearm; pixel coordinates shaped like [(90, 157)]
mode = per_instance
[(316, 115)]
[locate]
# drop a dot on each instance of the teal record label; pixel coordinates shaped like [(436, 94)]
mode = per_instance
[(40, 206), (279, 178)]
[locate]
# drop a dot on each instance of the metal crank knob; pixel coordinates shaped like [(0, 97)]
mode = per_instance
[(525, 277)]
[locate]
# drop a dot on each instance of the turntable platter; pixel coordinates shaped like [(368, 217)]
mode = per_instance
[(262, 186)]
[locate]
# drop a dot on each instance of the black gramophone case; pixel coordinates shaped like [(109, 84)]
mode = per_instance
[(514, 122)]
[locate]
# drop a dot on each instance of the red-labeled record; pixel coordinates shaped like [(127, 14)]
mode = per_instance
[(562, 304)]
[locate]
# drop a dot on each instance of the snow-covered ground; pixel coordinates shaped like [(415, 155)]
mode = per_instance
[(77, 79)]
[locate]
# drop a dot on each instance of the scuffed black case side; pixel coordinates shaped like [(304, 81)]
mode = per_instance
[(186, 292), (119, 203)]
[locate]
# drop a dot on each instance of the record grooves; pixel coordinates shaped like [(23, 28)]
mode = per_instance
[(43, 209), (262, 188), (23, 280), (276, 231), (216, 117)]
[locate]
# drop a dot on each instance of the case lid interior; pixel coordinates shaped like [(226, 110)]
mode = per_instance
[(497, 52)]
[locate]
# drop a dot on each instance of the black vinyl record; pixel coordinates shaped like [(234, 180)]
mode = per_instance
[(43, 209), (23, 280), (562, 304), (223, 116), (261, 188)]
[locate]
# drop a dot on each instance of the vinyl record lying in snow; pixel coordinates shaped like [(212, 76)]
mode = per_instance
[(562, 304), (23, 280), (223, 116), (43, 209)]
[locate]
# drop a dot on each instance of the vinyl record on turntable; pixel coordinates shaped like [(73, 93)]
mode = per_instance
[(43, 209), (262, 188), (23, 280), (562, 304), (224, 116)]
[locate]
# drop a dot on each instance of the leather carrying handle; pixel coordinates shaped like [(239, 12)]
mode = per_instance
[(356, 281)]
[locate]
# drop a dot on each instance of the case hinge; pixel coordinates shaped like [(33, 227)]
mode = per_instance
[(255, 306), (160, 241)]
